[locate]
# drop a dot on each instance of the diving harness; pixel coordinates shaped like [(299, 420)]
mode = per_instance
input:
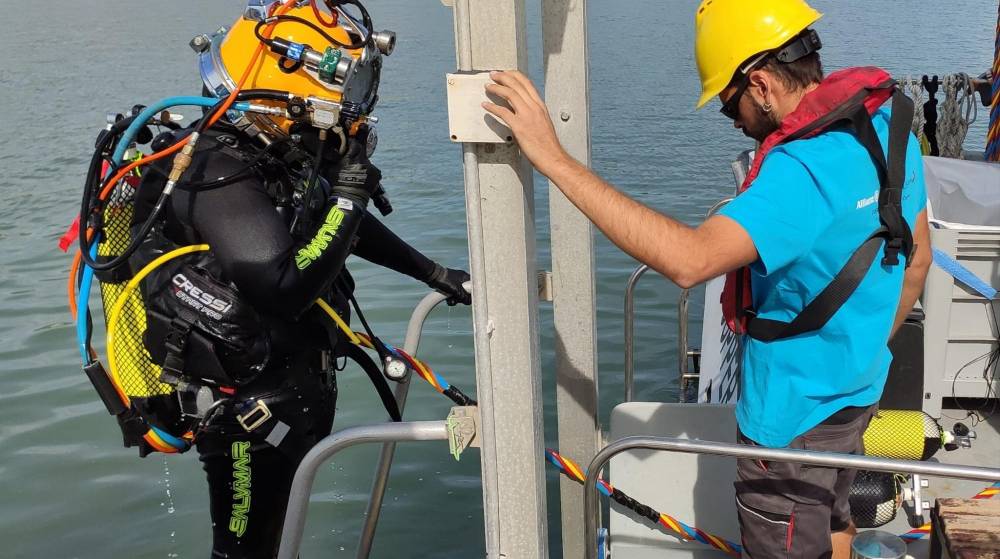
[(158, 404)]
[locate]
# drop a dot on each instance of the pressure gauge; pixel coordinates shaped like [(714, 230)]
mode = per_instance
[(395, 369)]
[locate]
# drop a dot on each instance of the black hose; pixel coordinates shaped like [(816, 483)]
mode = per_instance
[(277, 19), (366, 19), (86, 210), (147, 226), (313, 177)]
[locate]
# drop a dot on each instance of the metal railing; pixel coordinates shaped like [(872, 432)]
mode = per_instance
[(808, 457), (684, 351), (633, 280), (305, 475), (410, 345)]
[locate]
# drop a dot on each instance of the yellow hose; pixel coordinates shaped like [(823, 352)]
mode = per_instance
[(116, 310)]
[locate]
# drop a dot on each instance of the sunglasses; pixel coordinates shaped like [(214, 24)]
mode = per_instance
[(731, 108)]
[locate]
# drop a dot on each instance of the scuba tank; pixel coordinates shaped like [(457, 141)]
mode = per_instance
[(875, 497), (905, 435)]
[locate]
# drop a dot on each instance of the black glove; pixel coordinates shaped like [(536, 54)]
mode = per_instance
[(356, 178), (448, 281)]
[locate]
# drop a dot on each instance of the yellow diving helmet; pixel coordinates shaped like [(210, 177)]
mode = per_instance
[(326, 60), (729, 32)]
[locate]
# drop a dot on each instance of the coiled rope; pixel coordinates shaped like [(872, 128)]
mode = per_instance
[(914, 89), (958, 111)]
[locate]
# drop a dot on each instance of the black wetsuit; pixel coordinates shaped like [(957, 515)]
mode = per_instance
[(251, 244)]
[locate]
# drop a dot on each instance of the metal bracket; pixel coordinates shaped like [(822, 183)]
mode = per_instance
[(915, 502), (545, 289), (468, 121), (463, 427)]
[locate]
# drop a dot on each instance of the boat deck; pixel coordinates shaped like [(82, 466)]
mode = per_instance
[(698, 489)]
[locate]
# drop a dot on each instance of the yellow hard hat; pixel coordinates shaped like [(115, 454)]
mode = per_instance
[(344, 72), (729, 32)]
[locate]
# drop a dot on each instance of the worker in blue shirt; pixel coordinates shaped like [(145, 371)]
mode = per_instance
[(828, 195)]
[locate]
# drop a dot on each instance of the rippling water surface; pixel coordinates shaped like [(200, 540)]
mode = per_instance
[(67, 488)]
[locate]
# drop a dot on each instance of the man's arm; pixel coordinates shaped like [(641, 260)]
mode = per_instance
[(916, 273), (686, 255)]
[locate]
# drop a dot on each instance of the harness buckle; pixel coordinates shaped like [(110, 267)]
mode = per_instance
[(177, 335), (255, 417), (892, 249)]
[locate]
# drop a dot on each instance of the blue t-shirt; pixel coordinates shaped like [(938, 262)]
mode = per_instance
[(813, 204)]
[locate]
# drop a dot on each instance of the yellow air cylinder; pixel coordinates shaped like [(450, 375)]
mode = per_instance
[(903, 434)]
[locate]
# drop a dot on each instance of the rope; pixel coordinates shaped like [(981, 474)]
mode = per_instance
[(918, 533), (422, 369), (958, 111), (571, 470), (993, 135), (913, 88)]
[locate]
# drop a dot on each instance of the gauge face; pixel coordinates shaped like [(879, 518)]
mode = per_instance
[(370, 144), (395, 369)]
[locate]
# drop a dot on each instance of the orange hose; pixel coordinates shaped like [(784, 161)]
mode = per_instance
[(71, 284), (171, 150), (254, 60), (319, 16)]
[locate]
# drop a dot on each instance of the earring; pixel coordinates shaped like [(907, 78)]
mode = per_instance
[(767, 107)]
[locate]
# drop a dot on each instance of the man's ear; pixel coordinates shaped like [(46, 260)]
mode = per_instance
[(760, 85)]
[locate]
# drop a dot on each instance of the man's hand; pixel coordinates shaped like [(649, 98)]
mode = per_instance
[(449, 282), (528, 118)]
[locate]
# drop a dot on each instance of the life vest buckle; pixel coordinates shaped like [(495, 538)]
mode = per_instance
[(892, 249), (256, 417)]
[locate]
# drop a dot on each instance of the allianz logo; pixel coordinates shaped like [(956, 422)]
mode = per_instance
[(865, 202)]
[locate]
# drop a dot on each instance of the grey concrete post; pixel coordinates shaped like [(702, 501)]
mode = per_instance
[(567, 94), (490, 34)]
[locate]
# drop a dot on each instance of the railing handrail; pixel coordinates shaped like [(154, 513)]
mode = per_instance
[(809, 457), (305, 475), (414, 329), (633, 280), (682, 316)]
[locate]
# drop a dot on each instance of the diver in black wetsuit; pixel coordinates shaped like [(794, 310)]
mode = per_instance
[(275, 274), (281, 205)]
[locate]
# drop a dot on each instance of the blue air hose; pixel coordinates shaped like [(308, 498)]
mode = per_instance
[(117, 158), (86, 280)]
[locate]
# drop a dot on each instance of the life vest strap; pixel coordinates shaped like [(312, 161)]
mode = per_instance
[(894, 234)]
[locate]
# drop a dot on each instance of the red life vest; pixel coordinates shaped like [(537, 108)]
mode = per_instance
[(838, 99)]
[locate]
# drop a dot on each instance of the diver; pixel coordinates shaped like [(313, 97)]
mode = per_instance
[(280, 193)]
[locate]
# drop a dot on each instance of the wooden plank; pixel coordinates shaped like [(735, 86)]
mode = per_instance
[(970, 527)]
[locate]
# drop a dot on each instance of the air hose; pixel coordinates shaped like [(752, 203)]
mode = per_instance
[(571, 470), (115, 316), (121, 173)]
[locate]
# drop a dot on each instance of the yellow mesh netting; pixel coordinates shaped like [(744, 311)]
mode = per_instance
[(906, 435), (137, 374)]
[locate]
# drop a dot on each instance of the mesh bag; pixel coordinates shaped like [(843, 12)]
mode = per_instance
[(874, 498)]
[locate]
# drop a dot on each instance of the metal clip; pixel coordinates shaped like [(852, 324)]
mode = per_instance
[(462, 430), (255, 417)]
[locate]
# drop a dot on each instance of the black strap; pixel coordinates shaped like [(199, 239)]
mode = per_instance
[(894, 232), (174, 343), (890, 207), (821, 309), (375, 375)]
